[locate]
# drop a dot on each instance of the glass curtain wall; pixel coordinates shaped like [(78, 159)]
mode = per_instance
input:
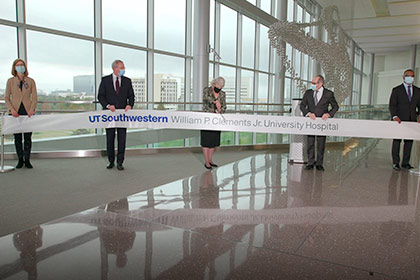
[(68, 52)]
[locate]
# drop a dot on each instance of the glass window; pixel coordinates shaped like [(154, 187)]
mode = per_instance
[(290, 10), (8, 53), (228, 26), (287, 90), (73, 16), (366, 79), (8, 10), (299, 14), (297, 57), (248, 42), (170, 25), (253, 2), (168, 81), (228, 73), (57, 69), (305, 67), (266, 6), (135, 69), (245, 138), (247, 89), (262, 91), (264, 48), (261, 138), (133, 28), (211, 32)]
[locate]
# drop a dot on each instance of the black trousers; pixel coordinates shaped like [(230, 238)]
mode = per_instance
[(320, 149), (110, 144), (25, 149), (408, 144)]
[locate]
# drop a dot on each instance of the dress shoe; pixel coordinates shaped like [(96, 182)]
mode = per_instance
[(110, 165), (309, 167), (406, 166), (396, 167), (213, 164), (320, 168), (120, 166), (20, 164), (207, 167)]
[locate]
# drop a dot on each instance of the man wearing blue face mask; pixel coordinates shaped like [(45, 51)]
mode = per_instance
[(316, 103), (404, 105), (116, 92)]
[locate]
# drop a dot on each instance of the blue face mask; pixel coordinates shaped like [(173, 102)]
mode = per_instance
[(313, 87), (122, 72), (20, 69), (409, 80)]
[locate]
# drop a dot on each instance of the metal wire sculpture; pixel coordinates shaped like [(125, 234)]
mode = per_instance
[(332, 55)]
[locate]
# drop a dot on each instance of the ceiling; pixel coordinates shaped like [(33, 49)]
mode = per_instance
[(380, 26)]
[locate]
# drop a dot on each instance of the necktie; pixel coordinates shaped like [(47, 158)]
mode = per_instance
[(409, 93), (117, 86), (316, 98)]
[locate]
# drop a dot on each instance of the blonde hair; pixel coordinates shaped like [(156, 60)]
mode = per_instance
[(219, 81), (14, 72)]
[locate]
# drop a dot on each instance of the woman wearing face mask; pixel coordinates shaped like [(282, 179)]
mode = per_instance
[(214, 101), (21, 99)]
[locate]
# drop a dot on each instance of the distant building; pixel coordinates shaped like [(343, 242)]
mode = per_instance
[(84, 84), (139, 87)]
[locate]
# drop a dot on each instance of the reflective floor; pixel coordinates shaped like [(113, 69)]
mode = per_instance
[(258, 218)]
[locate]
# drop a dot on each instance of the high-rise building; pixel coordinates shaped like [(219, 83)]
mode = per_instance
[(139, 87)]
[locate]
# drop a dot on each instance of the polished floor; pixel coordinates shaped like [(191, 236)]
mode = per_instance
[(256, 218)]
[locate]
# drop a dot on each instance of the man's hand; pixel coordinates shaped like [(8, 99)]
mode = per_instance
[(312, 116), (31, 113), (325, 116), (418, 119), (397, 119), (112, 108), (14, 113), (128, 107)]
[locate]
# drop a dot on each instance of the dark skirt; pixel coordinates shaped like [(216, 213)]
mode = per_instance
[(210, 138)]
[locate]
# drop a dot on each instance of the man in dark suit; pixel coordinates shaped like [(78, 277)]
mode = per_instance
[(116, 92), (315, 104), (404, 105)]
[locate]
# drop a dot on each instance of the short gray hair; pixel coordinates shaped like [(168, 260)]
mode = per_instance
[(115, 63), (321, 78), (218, 80)]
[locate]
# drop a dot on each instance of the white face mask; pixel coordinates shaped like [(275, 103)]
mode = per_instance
[(409, 80)]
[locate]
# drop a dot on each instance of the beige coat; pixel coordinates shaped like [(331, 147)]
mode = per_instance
[(15, 96)]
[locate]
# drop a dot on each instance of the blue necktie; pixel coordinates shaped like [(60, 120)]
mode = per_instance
[(409, 93)]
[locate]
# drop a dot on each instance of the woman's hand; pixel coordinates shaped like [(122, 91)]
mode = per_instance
[(218, 105), (14, 113)]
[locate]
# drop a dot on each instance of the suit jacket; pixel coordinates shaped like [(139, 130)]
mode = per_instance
[(400, 106), (14, 96), (108, 96), (308, 103)]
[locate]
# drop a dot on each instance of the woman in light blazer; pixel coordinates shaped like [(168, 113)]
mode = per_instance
[(21, 99), (214, 101)]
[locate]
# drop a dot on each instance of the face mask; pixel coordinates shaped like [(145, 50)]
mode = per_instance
[(122, 72), (313, 87), (20, 69), (408, 80), (217, 90)]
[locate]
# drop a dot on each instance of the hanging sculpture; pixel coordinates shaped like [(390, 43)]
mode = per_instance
[(332, 56)]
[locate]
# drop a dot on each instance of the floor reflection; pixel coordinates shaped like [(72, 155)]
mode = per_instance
[(256, 218)]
